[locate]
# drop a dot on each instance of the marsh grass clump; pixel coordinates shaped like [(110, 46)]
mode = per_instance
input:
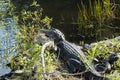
[(94, 19)]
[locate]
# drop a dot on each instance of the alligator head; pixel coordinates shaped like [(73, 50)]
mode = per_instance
[(53, 34)]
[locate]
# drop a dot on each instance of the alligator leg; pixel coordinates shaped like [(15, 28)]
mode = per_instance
[(74, 65)]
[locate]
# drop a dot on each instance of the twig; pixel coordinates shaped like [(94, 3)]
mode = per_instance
[(50, 43), (65, 74)]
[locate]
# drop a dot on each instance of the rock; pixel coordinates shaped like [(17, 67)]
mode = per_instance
[(118, 38)]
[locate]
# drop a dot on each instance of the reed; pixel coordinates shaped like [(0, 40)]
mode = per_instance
[(94, 18)]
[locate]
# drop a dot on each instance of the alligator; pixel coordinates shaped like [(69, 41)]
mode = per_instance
[(69, 53), (73, 56)]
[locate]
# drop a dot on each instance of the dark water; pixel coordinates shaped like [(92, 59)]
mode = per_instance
[(65, 14)]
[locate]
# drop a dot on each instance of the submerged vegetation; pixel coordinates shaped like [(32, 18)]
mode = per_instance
[(93, 21)]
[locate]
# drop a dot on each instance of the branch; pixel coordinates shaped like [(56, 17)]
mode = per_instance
[(50, 43)]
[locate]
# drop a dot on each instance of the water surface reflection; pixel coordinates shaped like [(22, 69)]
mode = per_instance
[(7, 43)]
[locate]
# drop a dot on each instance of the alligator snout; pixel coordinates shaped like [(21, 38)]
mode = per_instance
[(54, 34)]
